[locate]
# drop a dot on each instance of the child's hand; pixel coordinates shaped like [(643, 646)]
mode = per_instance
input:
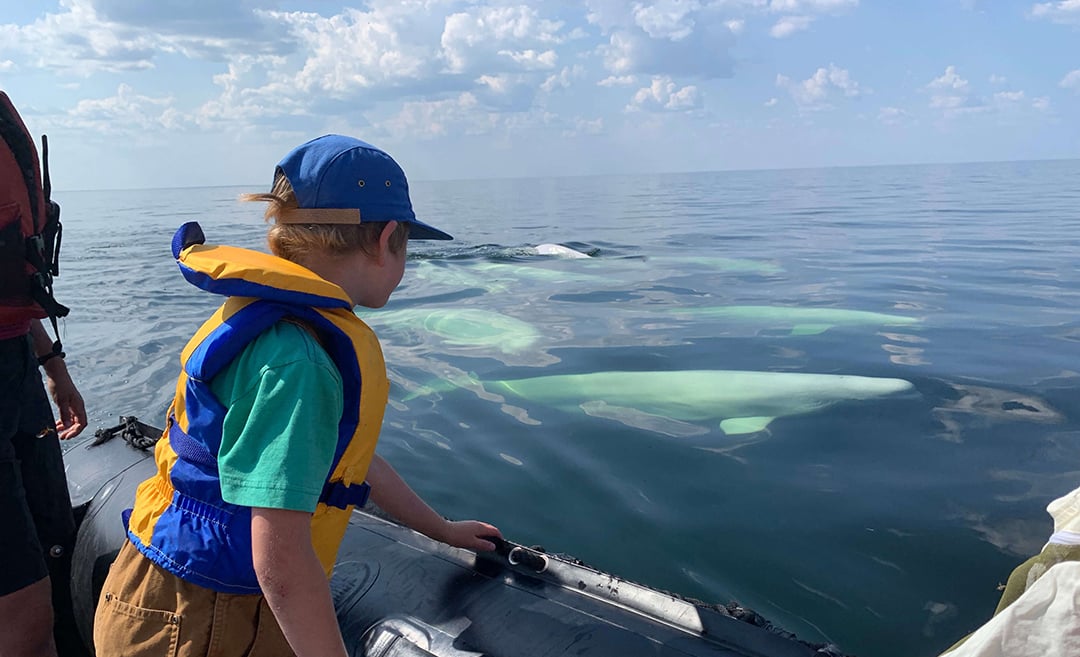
[(469, 534)]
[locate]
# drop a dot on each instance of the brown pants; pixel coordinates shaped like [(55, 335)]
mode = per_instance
[(145, 611)]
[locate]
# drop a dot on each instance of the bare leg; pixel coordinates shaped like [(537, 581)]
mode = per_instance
[(27, 630)]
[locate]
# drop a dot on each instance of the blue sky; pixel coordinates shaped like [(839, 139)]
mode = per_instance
[(172, 93)]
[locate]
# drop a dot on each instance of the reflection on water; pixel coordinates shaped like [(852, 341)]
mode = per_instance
[(669, 408), (985, 406)]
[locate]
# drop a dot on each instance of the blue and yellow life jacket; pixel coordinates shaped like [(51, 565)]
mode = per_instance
[(180, 520)]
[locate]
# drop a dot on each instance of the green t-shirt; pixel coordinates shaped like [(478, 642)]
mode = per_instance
[(283, 397)]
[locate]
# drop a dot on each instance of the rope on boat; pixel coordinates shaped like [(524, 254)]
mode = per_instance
[(137, 434)]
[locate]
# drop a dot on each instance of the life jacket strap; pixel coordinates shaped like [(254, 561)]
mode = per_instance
[(335, 493), (189, 449), (341, 496)]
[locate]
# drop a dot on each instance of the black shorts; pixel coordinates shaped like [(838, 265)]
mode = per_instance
[(35, 507)]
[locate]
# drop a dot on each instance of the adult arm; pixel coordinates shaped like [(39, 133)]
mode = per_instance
[(390, 492), (294, 583), (71, 410)]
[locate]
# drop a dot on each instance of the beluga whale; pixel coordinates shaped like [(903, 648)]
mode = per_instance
[(800, 320), (688, 402)]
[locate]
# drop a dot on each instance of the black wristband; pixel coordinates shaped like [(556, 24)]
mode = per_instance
[(47, 357)]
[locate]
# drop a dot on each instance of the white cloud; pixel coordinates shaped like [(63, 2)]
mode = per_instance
[(617, 81), (354, 50), (239, 105), (954, 96), (608, 14), (684, 98), (1071, 80), (664, 94), (1042, 103), (892, 115), (79, 42), (90, 36), (126, 114), (582, 126), (819, 6), (789, 25), (705, 53), (395, 50), (563, 78), (384, 49), (772, 102), (1009, 96), (1063, 11), (691, 37), (997, 79), (814, 92), (799, 15), (468, 35), (533, 60), (666, 37), (666, 19), (500, 84), (209, 19), (428, 119), (506, 92), (950, 80)]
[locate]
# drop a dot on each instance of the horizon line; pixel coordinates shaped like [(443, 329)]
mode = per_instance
[(618, 174)]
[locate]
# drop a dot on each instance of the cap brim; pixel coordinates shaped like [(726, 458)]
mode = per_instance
[(418, 230)]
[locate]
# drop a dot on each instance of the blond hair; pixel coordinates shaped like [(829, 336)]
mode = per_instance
[(297, 241)]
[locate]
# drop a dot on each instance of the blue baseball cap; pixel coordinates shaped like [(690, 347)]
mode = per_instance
[(342, 180)]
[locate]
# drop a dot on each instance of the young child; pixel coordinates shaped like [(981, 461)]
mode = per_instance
[(271, 435)]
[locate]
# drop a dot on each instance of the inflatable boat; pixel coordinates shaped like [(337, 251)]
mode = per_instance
[(400, 594)]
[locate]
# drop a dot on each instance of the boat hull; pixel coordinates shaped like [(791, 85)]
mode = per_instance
[(398, 593)]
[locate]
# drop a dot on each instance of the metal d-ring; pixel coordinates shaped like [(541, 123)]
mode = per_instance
[(532, 560)]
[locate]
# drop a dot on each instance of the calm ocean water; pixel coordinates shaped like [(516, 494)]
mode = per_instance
[(882, 521)]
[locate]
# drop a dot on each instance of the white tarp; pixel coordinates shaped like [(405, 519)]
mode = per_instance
[(1044, 621)]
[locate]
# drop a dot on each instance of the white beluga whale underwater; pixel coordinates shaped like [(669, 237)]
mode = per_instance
[(672, 403), (501, 269), (463, 328), (689, 402), (495, 277), (478, 328), (720, 264), (801, 320)]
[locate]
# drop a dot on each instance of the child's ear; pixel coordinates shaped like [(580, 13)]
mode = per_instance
[(384, 239)]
